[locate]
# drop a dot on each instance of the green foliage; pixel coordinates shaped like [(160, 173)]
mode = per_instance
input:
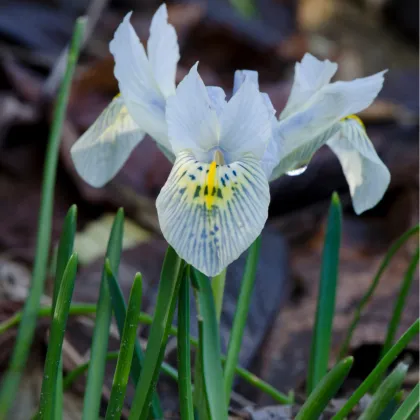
[(184, 351), (128, 340), (58, 327), (325, 390), (241, 315), (385, 393), (120, 309), (209, 349), (26, 331), (375, 282), (170, 279), (96, 372), (322, 332), (409, 407)]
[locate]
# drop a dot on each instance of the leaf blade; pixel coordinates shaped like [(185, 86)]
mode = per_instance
[(322, 332)]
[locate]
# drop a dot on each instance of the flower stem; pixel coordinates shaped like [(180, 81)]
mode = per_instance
[(218, 288)]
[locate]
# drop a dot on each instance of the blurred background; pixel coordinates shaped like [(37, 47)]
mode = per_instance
[(363, 36)]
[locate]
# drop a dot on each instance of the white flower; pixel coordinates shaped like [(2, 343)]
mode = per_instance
[(215, 201), (319, 112), (145, 82)]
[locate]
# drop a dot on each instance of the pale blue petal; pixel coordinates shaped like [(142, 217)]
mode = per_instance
[(327, 107), (137, 84), (192, 119), (103, 149), (292, 158), (246, 123), (218, 99), (241, 75), (310, 76), (211, 215), (366, 174), (163, 51)]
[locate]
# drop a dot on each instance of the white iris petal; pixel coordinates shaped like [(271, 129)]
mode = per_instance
[(163, 51), (145, 83), (245, 123), (103, 149), (192, 119), (366, 174), (310, 76), (210, 212)]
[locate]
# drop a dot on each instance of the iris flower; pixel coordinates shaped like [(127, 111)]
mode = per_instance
[(215, 201)]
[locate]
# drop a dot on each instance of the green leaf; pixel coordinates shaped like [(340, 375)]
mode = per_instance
[(90, 309), (77, 372), (385, 393), (368, 295), (120, 309), (58, 327), (378, 371), (65, 250), (184, 351), (325, 390), (400, 303), (128, 340), (96, 372), (241, 316), (17, 364), (210, 355), (165, 306), (410, 405), (218, 288), (321, 338)]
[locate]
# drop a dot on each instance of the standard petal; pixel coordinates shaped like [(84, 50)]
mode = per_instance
[(211, 214), (140, 91), (163, 51), (103, 149), (310, 76), (366, 174), (292, 157), (327, 107), (246, 123), (218, 98), (192, 117), (241, 75)]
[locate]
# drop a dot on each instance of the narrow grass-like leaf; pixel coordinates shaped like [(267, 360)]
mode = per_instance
[(65, 250), (410, 405), (165, 306), (378, 371), (369, 293), (218, 287), (241, 316), (128, 340), (11, 379), (80, 309), (77, 372), (96, 371), (120, 309), (400, 302), (325, 390), (58, 327), (385, 393), (321, 337), (184, 351), (212, 373)]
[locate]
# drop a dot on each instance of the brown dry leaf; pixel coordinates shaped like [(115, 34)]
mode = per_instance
[(91, 243)]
